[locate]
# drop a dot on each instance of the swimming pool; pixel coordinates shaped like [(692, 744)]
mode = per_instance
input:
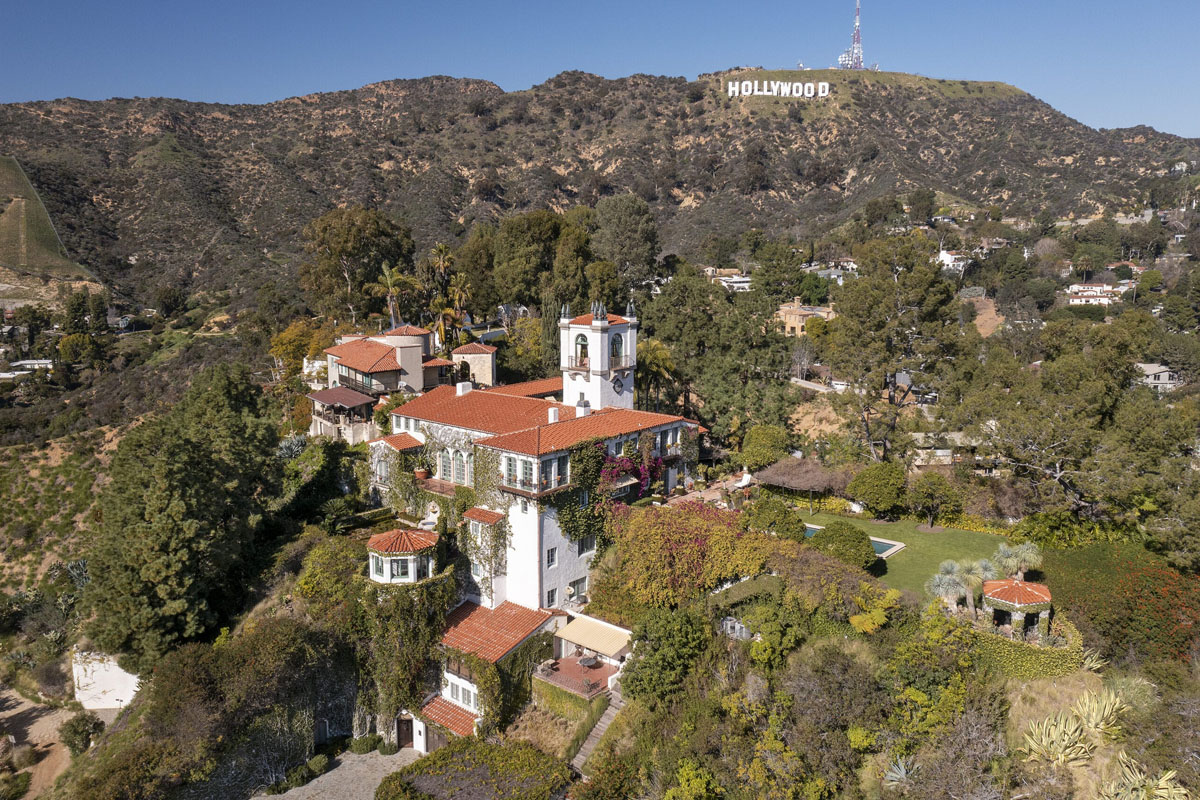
[(884, 548)]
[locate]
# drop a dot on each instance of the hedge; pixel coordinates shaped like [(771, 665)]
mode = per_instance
[(558, 701), (1016, 659), (395, 787)]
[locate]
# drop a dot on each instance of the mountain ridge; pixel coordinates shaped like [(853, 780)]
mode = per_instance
[(158, 190)]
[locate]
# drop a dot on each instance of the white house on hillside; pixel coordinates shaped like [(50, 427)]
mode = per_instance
[(1159, 377)]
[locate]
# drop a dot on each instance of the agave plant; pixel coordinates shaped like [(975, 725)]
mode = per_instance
[(1059, 740), (1132, 783), (1093, 661), (1099, 711), (900, 772), (291, 447)]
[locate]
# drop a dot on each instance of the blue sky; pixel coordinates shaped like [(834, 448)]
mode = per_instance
[(1104, 62)]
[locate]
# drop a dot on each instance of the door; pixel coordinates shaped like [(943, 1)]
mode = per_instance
[(404, 732)]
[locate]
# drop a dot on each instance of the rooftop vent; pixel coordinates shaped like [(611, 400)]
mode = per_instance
[(462, 387)]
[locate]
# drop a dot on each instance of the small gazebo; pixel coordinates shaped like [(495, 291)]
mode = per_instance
[(1010, 596), (401, 556), (803, 475)]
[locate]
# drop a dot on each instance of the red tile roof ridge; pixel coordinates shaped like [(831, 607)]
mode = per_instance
[(491, 634), (539, 386), (366, 355), (453, 718), (567, 433), (488, 412), (402, 540), (398, 441), (405, 330), (484, 515), (474, 348), (1016, 592), (588, 319)]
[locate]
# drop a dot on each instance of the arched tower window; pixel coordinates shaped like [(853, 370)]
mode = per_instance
[(581, 350), (616, 348)]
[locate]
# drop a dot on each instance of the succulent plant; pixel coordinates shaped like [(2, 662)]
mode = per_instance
[(1058, 739), (1132, 783), (1099, 712), (1093, 661), (900, 772)]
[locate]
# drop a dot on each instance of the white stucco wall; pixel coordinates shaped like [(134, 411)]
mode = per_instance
[(569, 566)]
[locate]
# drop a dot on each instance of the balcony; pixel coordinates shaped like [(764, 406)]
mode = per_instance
[(546, 484), (373, 389), (579, 363), (519, 483), (569, 674), (437, 486), (620, 362)]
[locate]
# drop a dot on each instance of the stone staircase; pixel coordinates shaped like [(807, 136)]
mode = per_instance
[(615, 704)]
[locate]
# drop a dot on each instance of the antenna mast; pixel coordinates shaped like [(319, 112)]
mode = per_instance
[(853, 57)]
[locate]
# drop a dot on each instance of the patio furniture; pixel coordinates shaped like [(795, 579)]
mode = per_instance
[(589, 661)]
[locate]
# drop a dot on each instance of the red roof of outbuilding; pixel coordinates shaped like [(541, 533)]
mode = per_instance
[(434, 361), (455, 719), (474, 349), (483, 515), (542, 387), (491, 633), (1015, 592), (402, 540), (401, 442), (562, 435), (365, 355), (588, 319), (406, 330), (489, 412)]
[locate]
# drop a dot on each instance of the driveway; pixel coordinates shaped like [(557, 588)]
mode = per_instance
[(353, 777)]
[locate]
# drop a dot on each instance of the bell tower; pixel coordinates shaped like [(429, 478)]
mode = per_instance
[(598, 354)]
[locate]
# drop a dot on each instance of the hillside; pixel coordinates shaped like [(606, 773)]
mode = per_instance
[(32, 259), (152, 191)]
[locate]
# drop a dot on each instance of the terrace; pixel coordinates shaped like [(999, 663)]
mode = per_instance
[(582, 676)]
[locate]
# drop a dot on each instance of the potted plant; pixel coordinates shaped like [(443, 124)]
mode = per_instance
[(421, 469)]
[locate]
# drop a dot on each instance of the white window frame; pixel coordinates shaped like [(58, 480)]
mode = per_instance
[(590, 538), (377, 565), (551, 598), (551, 557)]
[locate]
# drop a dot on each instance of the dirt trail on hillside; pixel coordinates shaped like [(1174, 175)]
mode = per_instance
[(37, 725)]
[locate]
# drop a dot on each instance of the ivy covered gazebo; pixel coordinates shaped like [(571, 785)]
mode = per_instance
[(1011, 596)]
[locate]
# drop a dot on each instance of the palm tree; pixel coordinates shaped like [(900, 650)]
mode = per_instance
[(445, 321), (1016, 561), (948, 584), (388, 284), (441, 258), (460, 293), (973, 575), (655, 367)]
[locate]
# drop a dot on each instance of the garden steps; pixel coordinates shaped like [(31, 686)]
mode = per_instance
[(615, 704)]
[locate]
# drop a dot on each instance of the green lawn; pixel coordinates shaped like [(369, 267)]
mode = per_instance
[(912, 566)]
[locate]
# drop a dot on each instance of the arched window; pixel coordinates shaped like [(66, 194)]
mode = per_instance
[(616, 348), (460, 468), (445, 466), (581, 350)]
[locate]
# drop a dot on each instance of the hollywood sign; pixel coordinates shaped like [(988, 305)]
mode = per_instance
[(777, 89)]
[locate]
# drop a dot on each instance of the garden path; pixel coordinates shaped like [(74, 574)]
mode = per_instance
[(353, 777)]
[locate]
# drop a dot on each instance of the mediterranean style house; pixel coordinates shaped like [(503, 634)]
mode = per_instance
[(512, 447)]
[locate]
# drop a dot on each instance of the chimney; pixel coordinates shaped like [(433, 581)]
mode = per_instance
[(462, 387), (552, 414), (582, 410)]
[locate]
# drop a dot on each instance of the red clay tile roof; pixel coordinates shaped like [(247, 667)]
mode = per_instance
[(455, 719), (563, 435), (365, 355), (402, 541), (483, 515), (543, 387), (491, 633), (406, 330), (586, 319), (1015, 592), (434, 361), (474, 349), (401, 442), (488, 412), (341, 396)]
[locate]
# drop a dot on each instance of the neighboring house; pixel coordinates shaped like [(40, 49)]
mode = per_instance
[(845, 264), (795, 316), (1092, 294), (735, 283), (955, 261), (399, 359), (343, 414), (1159, 377), (944, 219)]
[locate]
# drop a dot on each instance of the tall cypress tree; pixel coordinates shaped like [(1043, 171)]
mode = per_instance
[(181, 515)]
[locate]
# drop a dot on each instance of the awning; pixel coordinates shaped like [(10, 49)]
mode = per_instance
[(608, 640)]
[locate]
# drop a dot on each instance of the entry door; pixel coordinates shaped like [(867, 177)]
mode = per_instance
[(404, 732)]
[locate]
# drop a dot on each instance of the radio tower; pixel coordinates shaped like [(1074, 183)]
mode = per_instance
[(853, 57)]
